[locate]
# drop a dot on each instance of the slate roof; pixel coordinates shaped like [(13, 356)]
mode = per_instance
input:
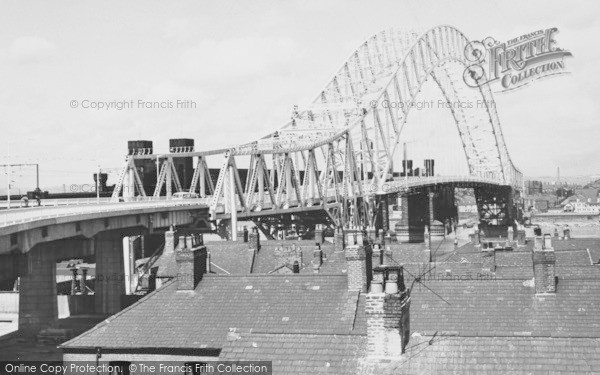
[(506, 307), (576, 244), (311, 323), (226, 258), (230, 258), (266, 261), (169, 318), (492, 355), (298, 353)]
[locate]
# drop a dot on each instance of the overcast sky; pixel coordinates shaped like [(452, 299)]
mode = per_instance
[(245, 64)]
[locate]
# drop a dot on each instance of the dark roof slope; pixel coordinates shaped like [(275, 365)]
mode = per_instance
[(201, 318), (491, 355), (506, 307), (267, 260), (298, 353), (230, 257)]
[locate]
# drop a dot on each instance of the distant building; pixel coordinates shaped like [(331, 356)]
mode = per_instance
[(534, 187), (583, 201), (562, 193)]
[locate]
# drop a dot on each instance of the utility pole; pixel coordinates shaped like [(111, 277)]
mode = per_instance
[(9, 167), (8, 174), (98, 185), (9, 177)]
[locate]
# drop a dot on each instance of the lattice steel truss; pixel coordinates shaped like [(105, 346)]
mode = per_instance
[(337, 152)]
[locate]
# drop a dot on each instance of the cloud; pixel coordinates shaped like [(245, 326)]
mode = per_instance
[(177, 29), (236, 59), (31, 49)]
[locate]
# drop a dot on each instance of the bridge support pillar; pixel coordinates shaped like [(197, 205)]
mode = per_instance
[(110, 273), (383, 218), (9, 266), (431, 203), (496, 209), (38, 307), (414, 215)]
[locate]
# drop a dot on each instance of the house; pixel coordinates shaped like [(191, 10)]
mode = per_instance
[(532, 309), (583, 201)]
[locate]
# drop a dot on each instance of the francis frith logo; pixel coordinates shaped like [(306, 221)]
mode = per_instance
[(515, 63)]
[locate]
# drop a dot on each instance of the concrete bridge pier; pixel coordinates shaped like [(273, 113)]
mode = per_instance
[(414, 216), (442, 211), (110, 273), (9, 269), (38, 307)]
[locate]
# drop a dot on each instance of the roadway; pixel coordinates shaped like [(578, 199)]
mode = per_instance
[(59, 208)]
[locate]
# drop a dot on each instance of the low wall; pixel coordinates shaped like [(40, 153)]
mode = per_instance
[(9, 302), (67, 305), (581, 225)]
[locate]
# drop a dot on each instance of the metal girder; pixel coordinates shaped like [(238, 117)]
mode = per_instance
[(357, 136)]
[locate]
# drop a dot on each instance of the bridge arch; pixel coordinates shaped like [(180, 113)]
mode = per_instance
[(334, 152), (438, 53)]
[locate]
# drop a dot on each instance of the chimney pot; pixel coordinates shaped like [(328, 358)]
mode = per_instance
[(319, 233), (169, 241), (359, 238), (548, 241), (511, 234)]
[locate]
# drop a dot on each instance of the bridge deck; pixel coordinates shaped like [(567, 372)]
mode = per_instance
[(68, 207), (31, 214)]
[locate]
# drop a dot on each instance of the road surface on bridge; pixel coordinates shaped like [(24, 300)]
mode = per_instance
[(73, 207)]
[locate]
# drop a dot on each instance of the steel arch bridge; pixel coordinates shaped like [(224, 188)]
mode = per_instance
[(336, 154)]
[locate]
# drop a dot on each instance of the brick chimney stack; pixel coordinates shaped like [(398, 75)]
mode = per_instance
[(358, 260), (254, 239), (388, 314), (191, 264), (317, 258), (489, 260), (544, 261)]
